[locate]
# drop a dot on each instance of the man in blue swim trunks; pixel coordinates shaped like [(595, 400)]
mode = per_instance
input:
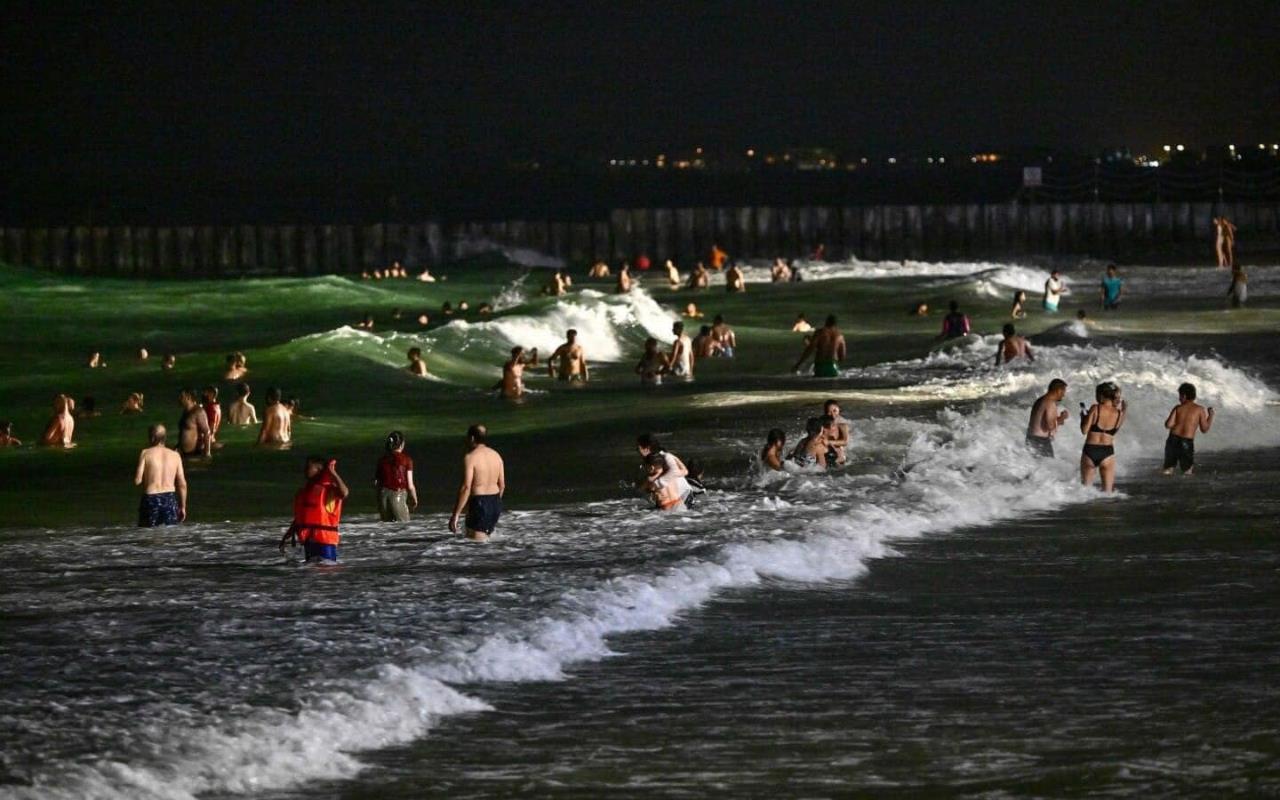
[(163, 482), (484, 481)]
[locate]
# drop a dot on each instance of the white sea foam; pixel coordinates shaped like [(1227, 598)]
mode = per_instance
[(963, 466), (517, 255), (996, 278)]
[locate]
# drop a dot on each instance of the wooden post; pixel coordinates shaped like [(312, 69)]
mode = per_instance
[(38, 256), (248, 249), (144, 251), (59, 255), (207, 250)]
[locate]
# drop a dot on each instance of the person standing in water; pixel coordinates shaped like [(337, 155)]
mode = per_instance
[(1238, 291), (484, 481), (7, 439), (212, 413), (512, 384), (1111, 289), (194, 439), (1054, 289), (955, 324), (771, 456), (1046, 418), (664, 492), (1013, 346), (1019, 310), (827, 348), (674, 472), (734, 280), (1225, 242), (277, 421), (812, 449), (417, 366), (62, 427), (397, 495), (652, 364), (1100, 424), (724, 336), (163, 482), (1185, 420), (699, 278), (317, 511), (572, 360), (241, 411), (838, 440), (681, 359), (624, 279)]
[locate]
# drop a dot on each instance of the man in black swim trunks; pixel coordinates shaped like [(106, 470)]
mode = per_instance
[(1185, 420), (484, 481), (1045, 419)]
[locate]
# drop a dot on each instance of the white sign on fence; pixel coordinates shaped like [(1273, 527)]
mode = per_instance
[(1032, 177)]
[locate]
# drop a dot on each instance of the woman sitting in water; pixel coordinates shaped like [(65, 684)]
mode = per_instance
[(1019, 300), (771, 455), (1100, 424)]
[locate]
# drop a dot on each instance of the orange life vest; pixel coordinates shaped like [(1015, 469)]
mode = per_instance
[(317, 510)]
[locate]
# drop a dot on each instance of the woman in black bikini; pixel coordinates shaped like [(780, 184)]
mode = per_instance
[(1100, 424)]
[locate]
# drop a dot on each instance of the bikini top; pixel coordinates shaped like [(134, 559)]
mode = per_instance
[(1104, 431)]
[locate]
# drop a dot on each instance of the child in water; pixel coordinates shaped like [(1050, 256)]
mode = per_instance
[(771, 455), (317, 511)]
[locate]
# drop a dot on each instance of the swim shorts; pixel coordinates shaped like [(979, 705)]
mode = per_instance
[(320, 552), (1040, 445), (158, 509), (483, 511), (825, 368), (726, 352), (1180, 451), (1048, 306)]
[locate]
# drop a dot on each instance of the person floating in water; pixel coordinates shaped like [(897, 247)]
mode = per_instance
[(1111, 289), (317, 511), (1012, 346), (771, 456), (241, 411), (955, 324), (652, 364), (416, 365), (163, 482), (7, 439), (1238, 291), (1225, 242), (212, 412), (1046, 418), (168, 362), (827, 348), (726, 340), (691, 311), (838, 436), (1185, 420), (277, 422), (62, 427), (681, 359), (1100, 424), (1019, 310), (512, 383), (397, 495), (572, 360), (484, 482), (194, 440), (1054, 289)]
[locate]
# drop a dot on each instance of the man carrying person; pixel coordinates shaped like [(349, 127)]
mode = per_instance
[(194, 438), (572, 360), (838, 440), (1013, 346), (812, 449), (484, 481), (163, 482), (1185, 420), (674, 475), (828, 350), (1046, 418)]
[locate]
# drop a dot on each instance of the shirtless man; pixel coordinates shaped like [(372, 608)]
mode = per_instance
[(241, 411), (194, 439), (513, 372), (837, 441), (681, 358), (62, 427), (724, 336), (277, 422), (484, 481), (1046, 418), (733, 280), (1013, 346), (699, 278), (572, 360), (163, 482), (416, 365), (771, 456), (1185, 420), (624, 279), (704, 344), (828, 350)]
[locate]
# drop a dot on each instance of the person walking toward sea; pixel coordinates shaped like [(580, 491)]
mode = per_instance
[(241, 411), (1100, 424), (194, 439), (955, 324), (1111, 289), (827, 348), (317, 511), (397, 495), (163, 482), (1046, 418), (1225, 242), (771, 456), (277, 421), (572, 360), (484, 481), (62, 427), (1185, 420), (1013, 346), (1238, 291), (1054, 289)]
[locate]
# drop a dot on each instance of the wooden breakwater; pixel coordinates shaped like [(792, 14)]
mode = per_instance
[(1120, 231)]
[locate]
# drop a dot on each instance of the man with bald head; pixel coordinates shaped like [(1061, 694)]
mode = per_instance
[(163, 482)]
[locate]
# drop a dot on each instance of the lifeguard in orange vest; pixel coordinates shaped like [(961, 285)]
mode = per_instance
[(317, 510)]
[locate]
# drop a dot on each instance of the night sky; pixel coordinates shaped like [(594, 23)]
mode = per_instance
[(294, 87)]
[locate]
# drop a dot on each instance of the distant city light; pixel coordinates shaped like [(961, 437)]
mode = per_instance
[(864, 161), (930, 159), (698, 150), (1151, 163), (893, 160), (1181, 148), (942, 160), (750, 153), (1231, 147), (1262, 147), (1167, 148)]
